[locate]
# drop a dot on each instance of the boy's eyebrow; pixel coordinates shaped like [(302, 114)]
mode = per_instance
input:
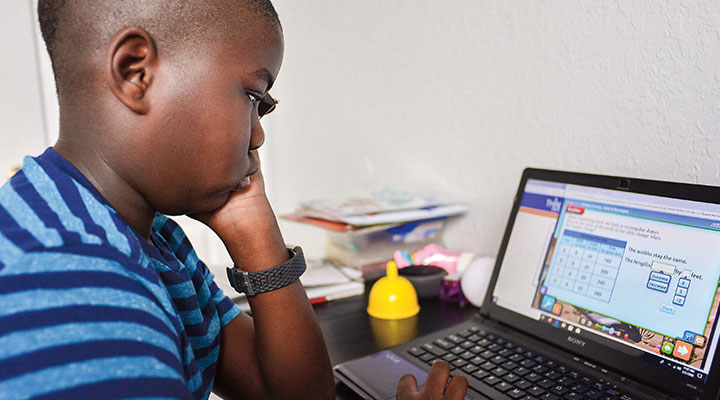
[(264, 74)]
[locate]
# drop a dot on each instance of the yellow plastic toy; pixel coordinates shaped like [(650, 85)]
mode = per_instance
[(392, 296)]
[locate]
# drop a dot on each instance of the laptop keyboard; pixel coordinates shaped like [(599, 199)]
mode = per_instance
[(514, 371)]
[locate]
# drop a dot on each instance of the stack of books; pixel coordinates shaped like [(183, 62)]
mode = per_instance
[(365, 230)]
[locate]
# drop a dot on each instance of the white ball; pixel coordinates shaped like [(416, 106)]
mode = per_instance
[(475, 279)]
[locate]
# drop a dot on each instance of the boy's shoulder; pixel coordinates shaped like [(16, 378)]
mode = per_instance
[(45, 208)]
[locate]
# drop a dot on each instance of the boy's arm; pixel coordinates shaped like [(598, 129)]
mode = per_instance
[(279, 352)]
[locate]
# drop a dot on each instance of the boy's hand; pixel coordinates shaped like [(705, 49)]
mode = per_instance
[(247, 225), (239, 205), (434, 385)]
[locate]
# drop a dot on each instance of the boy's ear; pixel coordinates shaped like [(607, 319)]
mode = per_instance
[(131, 64)]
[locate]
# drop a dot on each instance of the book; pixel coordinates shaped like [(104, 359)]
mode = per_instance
[(388, 206)]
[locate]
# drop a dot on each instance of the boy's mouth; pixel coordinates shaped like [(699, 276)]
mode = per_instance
[(244, 183)]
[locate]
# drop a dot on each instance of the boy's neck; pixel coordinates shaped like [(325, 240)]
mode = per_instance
[(127, 201)]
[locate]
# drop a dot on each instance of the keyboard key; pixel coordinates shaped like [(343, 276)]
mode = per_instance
[(469, 368), (443, 343), (426, 357), (476, 338), (454, 338), (480, 374), (533, 377), (515, 393), (503, 386), (492, 380), (487, 354), (565, 380), (506, 352), (449, 357), (522, 384), (578, 387), (467, 344), (512, 378), (477, 361), (437, 351), (416, 351), (457, 350), (494, 347), (559, 390), (551, 374), (477, 349), (467, 355), (509, 365), (431, 361), (528, 363), (459, 363), (573, 396), (536, 390), (592, 394), (539, 369), (499, 371), (546, 383), (520, 371), (549, 396), (466, 333), (516, 357), (498, 359), (488, 366)]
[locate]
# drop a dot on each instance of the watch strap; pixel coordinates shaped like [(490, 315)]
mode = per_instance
[(253, 283)]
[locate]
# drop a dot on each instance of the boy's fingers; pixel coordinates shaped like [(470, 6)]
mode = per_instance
[(407, 387), (437, 379), (457, 388)]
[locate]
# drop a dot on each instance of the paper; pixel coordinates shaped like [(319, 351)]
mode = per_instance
[(375, 202)]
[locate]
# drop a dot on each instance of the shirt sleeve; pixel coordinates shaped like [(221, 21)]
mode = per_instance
[(81, 326), (226, 308)]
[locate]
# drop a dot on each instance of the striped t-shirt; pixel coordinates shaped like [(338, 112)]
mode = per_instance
[(88, 309)]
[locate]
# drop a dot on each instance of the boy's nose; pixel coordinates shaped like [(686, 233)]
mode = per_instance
[(257, 135)]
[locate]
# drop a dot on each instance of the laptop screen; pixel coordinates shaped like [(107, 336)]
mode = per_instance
[(639, 270)]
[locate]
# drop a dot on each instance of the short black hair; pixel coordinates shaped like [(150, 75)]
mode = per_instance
[(169, 22)]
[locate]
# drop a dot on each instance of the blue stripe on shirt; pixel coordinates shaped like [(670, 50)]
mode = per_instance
[(91, 371), (88, 308), (47, 189)]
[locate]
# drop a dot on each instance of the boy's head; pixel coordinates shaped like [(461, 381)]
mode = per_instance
[(160, 94)]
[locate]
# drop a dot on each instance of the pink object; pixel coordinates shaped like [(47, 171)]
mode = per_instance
[(433, 254)]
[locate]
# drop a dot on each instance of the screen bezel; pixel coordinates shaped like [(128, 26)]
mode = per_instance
[(600, 349)]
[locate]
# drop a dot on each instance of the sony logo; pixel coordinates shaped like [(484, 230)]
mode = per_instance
[(576, 341)]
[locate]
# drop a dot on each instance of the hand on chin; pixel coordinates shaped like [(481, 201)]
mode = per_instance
[(246, 205)]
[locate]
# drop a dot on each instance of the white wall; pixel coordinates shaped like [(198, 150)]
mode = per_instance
[(22, 111), (459, 96), (456, 97)]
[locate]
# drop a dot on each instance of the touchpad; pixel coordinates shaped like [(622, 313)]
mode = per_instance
[(378, 374)]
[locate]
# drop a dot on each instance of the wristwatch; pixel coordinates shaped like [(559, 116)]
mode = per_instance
[(252, 283)]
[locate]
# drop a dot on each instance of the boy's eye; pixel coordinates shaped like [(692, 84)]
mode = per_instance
[(263, 104), (253, 99)]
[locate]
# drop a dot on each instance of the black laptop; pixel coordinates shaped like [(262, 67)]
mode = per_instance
[(604, 288)]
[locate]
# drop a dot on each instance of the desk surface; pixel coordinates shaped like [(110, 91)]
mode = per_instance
[(350, 333)]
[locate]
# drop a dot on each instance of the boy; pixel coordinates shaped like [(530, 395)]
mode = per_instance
[(101, 295)]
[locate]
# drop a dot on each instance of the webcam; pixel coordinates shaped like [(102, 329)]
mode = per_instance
[(624, 184)]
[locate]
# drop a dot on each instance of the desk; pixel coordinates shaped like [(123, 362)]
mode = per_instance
[(350, 333)]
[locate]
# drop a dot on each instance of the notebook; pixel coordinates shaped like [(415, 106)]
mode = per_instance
[(604, 288)]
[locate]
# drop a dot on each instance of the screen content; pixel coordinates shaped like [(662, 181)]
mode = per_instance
[(640, 270)]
